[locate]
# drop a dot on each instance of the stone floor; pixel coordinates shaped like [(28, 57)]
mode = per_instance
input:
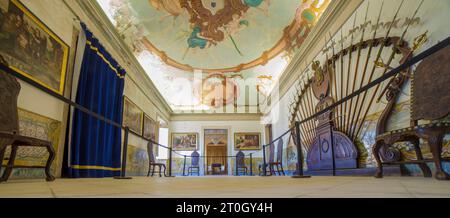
[(230, 187)]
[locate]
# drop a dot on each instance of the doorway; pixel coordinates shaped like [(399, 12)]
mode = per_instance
[(216, 149), (269, 133)]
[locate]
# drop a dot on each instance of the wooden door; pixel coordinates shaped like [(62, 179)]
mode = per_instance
[(216, 149)]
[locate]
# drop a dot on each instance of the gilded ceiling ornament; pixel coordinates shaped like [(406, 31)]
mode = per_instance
[(209, 25)]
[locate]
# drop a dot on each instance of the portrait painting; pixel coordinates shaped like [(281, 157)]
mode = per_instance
[(150, 128), (132, 116), (31, 48), (184, 141), (247, 141)]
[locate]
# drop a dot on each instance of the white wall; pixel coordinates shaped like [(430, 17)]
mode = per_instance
[(232, 126)]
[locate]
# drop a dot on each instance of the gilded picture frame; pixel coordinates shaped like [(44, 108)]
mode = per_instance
[(150, 129), (184, 141), (247, 141), (31, 48), (132, 116)]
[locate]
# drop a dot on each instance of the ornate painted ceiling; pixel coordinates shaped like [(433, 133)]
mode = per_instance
[(221, 40)]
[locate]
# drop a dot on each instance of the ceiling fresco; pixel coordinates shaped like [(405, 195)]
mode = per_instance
[(222, 40)]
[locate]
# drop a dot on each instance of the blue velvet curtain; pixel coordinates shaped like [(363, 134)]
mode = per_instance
[(95, 149)]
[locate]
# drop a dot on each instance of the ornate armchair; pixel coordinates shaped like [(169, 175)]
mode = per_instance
[(195, 159), (240, 163), (9, 129), (430, 102), (152, 164)]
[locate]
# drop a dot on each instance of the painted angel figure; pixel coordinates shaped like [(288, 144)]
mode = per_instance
[(121, 14), (195, 40), (236, 25), (172, 7), (198, 41), (259, 5)]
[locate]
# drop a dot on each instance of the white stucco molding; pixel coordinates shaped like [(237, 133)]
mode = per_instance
[(215, 117)]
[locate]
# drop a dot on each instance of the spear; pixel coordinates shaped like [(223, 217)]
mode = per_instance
[(380, 51), (372, 42), (334, 75), (360, 45), (342, 81), (350, 52), (390, 68), (392, 57), (310, 107)]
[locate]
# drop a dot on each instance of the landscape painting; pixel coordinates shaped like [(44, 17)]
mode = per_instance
[(30, 48), (247, 141), (132, 116), (184, 141)]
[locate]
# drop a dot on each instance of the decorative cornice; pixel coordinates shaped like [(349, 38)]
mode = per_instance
[(331, 21), (215, 117), (135, 71)]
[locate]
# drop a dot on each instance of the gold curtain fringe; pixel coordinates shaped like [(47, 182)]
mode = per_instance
[(104, 59), (79, 167)]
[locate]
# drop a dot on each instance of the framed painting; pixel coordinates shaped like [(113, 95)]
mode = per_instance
[(150, 128), (184, 141), (31, 48), (137, 161), (132, 116), (215, 137), (247, 141)]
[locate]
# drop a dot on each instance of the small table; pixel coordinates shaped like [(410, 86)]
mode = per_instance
[(215, 166)]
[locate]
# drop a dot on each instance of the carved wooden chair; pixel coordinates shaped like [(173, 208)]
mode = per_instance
[(279, 162), (152, 164), (9, 129), (430, 102), (195, 167), (269, 167), (240, 164)]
